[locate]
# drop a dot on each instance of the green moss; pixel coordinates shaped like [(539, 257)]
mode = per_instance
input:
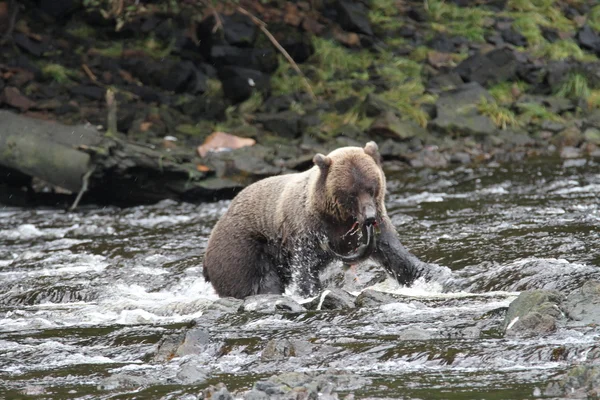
[(594, 18), (285, 80), (562, 49), (593, 100), (504, 92), (501, 116), (57, 73), (549, 10), (114, 50), (333, 58), (252, 104), (529, 27), (574, 87), (82, 31), (461, 21), (536, 113)]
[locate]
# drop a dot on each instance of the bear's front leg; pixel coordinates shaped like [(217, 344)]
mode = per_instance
[(394, 257)]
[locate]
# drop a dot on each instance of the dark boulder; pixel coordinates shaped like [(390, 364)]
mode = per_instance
[(264, 60), (183, 77), (59, 9), (589, 39), (284, 124), (495, 66), (89, 91), (33, 47), (353, 17), (513, 37), (239, 83)]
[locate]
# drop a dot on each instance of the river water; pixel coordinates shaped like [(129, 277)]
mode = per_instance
[(86, 296)]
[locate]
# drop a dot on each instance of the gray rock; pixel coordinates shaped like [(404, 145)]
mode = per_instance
[(217, 392), (196, 341), (353, 17), (167, 347), (246, 163), (498, 65), (457, 111), (192, 372), (588, 38), (580, 382), (332, 299), (552, 126), (592, 135), (388, 125), (374, 298), (375, 105), (583, 304), (278, 349), (268, 303), (256, 395), (285, 124), (226, 305), (533, 313)]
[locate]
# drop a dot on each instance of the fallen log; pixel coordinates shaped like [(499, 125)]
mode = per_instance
[(111, 170)]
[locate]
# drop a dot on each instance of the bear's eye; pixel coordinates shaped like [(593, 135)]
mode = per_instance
[(371, 191)]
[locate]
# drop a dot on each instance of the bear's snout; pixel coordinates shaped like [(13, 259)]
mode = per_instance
[(370, 215)]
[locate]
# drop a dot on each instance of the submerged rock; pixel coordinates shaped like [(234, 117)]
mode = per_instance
[(583, 304), (266, 303), (533, 313)]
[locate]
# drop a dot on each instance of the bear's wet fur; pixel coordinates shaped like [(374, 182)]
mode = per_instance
[(275, 231)]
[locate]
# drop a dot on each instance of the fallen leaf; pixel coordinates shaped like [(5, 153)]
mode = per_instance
[(13, 97), (291, 15), (312, 26), (350, 39), (219, 141), (144, 126), (202, 168)]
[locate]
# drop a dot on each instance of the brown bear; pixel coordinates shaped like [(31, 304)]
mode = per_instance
[(287, 228)]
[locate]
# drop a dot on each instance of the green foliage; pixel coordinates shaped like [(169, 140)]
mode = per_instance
[(57, 73), (544, 12), (594, 18), (574, 87), (529, 27), (562, 49), (501, 116), (504, 92), (332, 58), (455, 20), (536, 113)]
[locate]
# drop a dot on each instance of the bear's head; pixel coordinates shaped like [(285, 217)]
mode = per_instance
[(351, 185)]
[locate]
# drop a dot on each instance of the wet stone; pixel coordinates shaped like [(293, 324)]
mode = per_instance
[(278, 349), (267, 303), (193, 372), (332, 299), (239, 83), (533, 313), (285, 124), (374, 298), (583, 304), (216, 392)]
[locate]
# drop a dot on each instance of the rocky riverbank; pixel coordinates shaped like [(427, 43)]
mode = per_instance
[(434, 83), (533, 315)]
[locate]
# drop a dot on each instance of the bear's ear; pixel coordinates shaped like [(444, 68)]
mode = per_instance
[(372, 149), (323, 162)]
